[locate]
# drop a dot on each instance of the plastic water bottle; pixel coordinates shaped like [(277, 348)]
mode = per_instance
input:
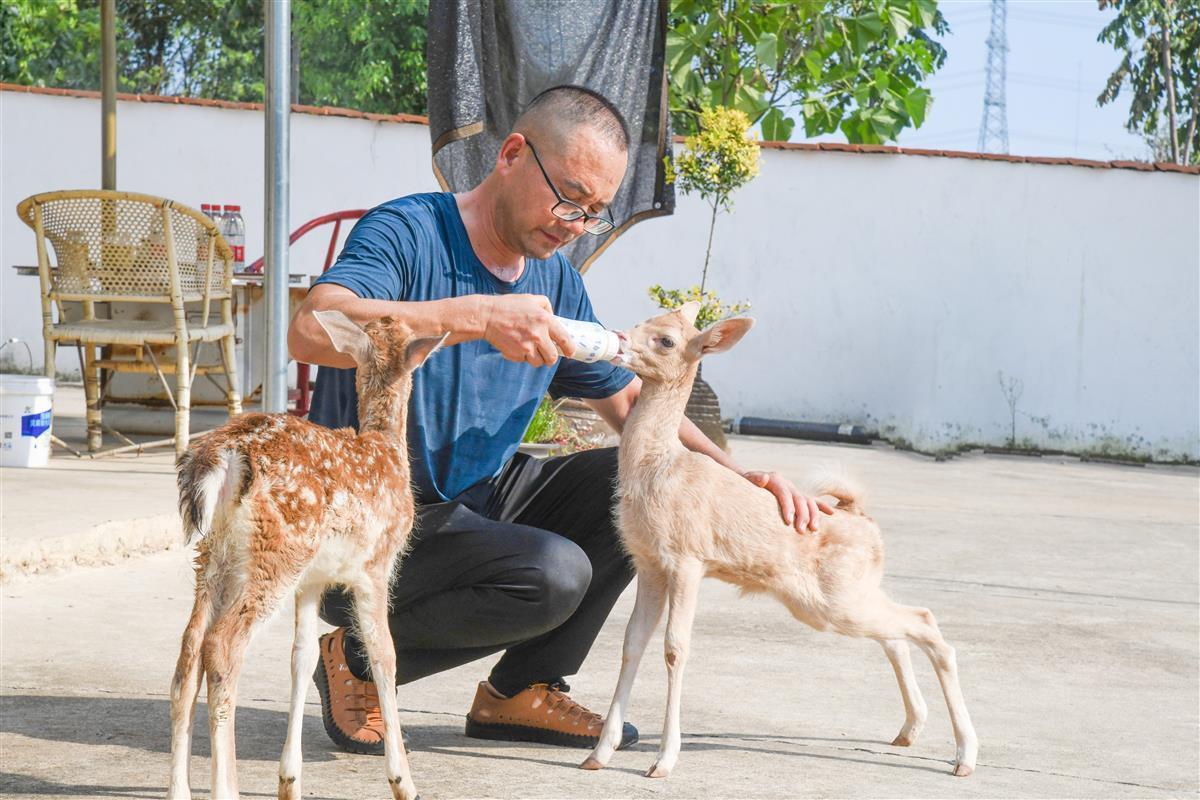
[(593, 342), (202, 240), (217, 217), (235, 233)]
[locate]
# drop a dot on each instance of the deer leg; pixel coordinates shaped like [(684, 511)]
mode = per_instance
[(924, 631), (224, 647), (683, 587), (305, 654), (371, 607), (915, 710), (185, 687), (879, 618), (647, 612)]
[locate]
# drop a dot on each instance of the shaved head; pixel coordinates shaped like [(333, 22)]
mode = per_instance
[(570, 146), (557, 113)]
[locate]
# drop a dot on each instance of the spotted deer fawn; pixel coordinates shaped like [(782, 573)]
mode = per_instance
[(283, 507), (682, 516)]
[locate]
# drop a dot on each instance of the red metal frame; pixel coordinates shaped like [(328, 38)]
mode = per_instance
[(301, 395)]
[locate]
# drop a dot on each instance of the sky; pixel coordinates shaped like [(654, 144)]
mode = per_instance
[(1056, 68)]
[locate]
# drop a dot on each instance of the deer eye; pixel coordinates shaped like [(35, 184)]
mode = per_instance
[(666, 341)]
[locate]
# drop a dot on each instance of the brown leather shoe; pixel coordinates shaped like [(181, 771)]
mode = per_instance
[(349, 707), (543, 713)]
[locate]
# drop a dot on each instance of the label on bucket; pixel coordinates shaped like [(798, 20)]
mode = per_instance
[(35, 424)]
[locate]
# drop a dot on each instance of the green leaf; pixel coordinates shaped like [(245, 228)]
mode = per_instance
[(748, 30), (820, 118), (858, 127), (776, 127), (882, 128), (900, 22), (814, 64), (924, 11), (881, 79), (767, 49), (750, 99), (681, 68), (675, 43), (693, 84), (867, 29), (916, 103)]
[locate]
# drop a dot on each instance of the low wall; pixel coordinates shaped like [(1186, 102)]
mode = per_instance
[(942, 301)]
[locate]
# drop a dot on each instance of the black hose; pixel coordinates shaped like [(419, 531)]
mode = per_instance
[(815, 431)]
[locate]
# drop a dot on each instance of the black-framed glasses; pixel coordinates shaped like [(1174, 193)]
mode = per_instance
[(567, 211)]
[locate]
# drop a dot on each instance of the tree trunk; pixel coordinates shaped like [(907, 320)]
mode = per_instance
[(294, 52), (704, 409), (708, 251), (1169, 79), (1189, 142)]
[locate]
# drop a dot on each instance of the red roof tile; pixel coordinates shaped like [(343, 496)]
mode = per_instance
[(1138, 165)]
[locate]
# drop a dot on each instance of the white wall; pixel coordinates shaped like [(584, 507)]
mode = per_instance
[(890, 290), (192, 154)]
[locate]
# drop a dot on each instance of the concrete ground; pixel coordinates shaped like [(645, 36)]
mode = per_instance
[(1069, 590), (83, 511)]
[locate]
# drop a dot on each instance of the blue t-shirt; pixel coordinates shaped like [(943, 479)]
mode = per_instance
[(470, 406)]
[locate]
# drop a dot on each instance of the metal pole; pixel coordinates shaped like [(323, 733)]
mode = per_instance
[(108, 94), (278, 42)]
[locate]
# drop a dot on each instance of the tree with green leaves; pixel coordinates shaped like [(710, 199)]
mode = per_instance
[(1160, 40), (363, 54), (49, 43), (367, 55), (851, 65), (171, 47)]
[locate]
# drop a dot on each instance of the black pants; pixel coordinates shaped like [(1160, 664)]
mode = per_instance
[(529, 563)]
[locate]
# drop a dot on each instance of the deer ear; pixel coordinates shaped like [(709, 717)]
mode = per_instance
[(419, 350), (720, 336), (690, 310), (346, 336)]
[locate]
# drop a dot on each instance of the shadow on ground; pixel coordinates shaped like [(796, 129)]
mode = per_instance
[(27, 785), (637, 758), (144, 724), (12, 784), (131, 722), (122, 722)]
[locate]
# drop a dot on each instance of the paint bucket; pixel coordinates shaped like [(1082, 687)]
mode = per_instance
[(25, 414)]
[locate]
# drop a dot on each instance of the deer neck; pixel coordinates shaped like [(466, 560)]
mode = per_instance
[(384, 409), (653, 424)]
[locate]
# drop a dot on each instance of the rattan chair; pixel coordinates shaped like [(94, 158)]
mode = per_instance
[(119, 247)]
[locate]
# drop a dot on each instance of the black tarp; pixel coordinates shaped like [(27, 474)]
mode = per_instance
[(488, 58)]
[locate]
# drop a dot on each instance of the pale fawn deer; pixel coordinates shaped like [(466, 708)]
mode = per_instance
[(682, 517), (285, 508)]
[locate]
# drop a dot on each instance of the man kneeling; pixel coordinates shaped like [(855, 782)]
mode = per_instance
[(508, 553)]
